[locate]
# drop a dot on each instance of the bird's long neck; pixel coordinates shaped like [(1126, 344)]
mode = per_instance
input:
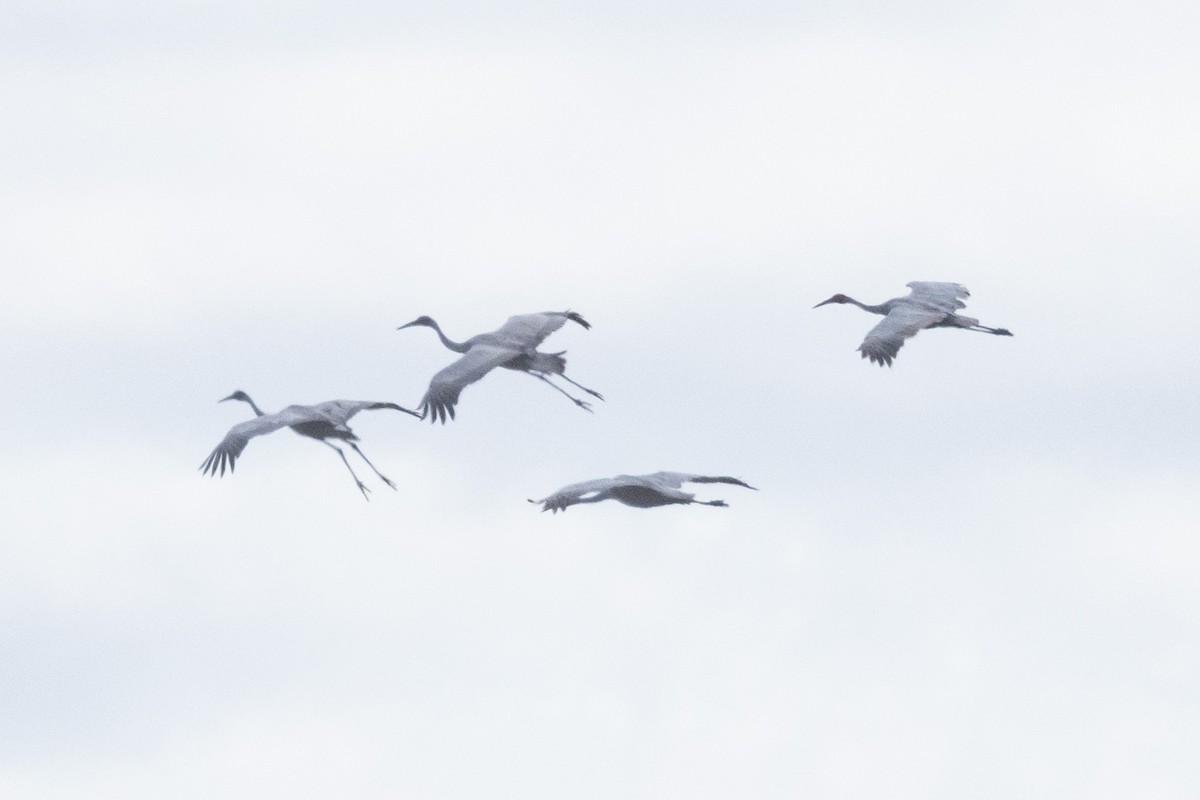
[(258, 412), (882, 308), (458, 347)]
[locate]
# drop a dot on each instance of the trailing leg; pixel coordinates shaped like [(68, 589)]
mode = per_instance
[(362, 487), (382, 477), (581, 403), (592, 392), (995, 331)]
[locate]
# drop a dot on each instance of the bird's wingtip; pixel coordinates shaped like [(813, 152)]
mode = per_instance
[(576, 317)]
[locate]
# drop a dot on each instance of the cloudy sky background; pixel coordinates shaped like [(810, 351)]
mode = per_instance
[(972, 575)]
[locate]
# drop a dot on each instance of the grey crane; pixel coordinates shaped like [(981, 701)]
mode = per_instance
[(512, 346), (639, 491), (323, 421), (930, 304)]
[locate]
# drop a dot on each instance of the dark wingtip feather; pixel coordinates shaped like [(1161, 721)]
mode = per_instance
[(722, 479), (437, 412), (574, 317), (396, 406)]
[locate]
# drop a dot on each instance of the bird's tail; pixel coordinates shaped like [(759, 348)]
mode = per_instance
[(552, 363)]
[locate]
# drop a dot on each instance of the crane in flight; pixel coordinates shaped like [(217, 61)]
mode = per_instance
[(323, 421), (930, 304), (512, 346), (639, 491)]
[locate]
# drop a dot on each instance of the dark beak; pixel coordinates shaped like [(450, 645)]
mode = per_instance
[(223, 399), (824, 303), (407, 325)]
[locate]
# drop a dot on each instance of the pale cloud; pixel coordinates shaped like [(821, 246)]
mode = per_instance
[(966, 575)]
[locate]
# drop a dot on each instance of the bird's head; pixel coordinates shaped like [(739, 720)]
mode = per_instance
[(837, 298), (426, 321), (238, 395)]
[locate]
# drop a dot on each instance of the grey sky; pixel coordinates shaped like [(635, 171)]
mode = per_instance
[(970, 575)]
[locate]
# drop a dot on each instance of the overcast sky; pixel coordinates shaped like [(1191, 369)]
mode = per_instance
[(971, 575)]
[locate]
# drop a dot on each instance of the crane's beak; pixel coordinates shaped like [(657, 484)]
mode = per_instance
[(826, 302), (223, 399), (407, 325)]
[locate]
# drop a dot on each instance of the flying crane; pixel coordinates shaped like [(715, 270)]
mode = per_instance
[(512, 346), (323, 421), (639, 491), (930, 304)]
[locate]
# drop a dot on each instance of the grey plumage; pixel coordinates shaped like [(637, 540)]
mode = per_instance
[(323, 421), (512, 346), (639, 491), (930, 304)]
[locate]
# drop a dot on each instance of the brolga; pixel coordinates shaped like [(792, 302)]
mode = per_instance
[(323, 422), (930, 304), (512, 346), (639, 491)]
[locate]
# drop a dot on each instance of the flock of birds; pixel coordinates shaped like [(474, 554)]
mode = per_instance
[(929, 304)]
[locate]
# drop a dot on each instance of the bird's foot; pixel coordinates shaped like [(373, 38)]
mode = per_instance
[(1003, 332), (594, 393), (388, 482), (586, 406), (362, 487)]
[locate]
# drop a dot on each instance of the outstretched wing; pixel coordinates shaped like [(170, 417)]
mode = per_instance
[(938, 295), (575, 493), (527, 331), (445, 386), (227, 452), (903, 322), (677, 479), (339, 412)]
